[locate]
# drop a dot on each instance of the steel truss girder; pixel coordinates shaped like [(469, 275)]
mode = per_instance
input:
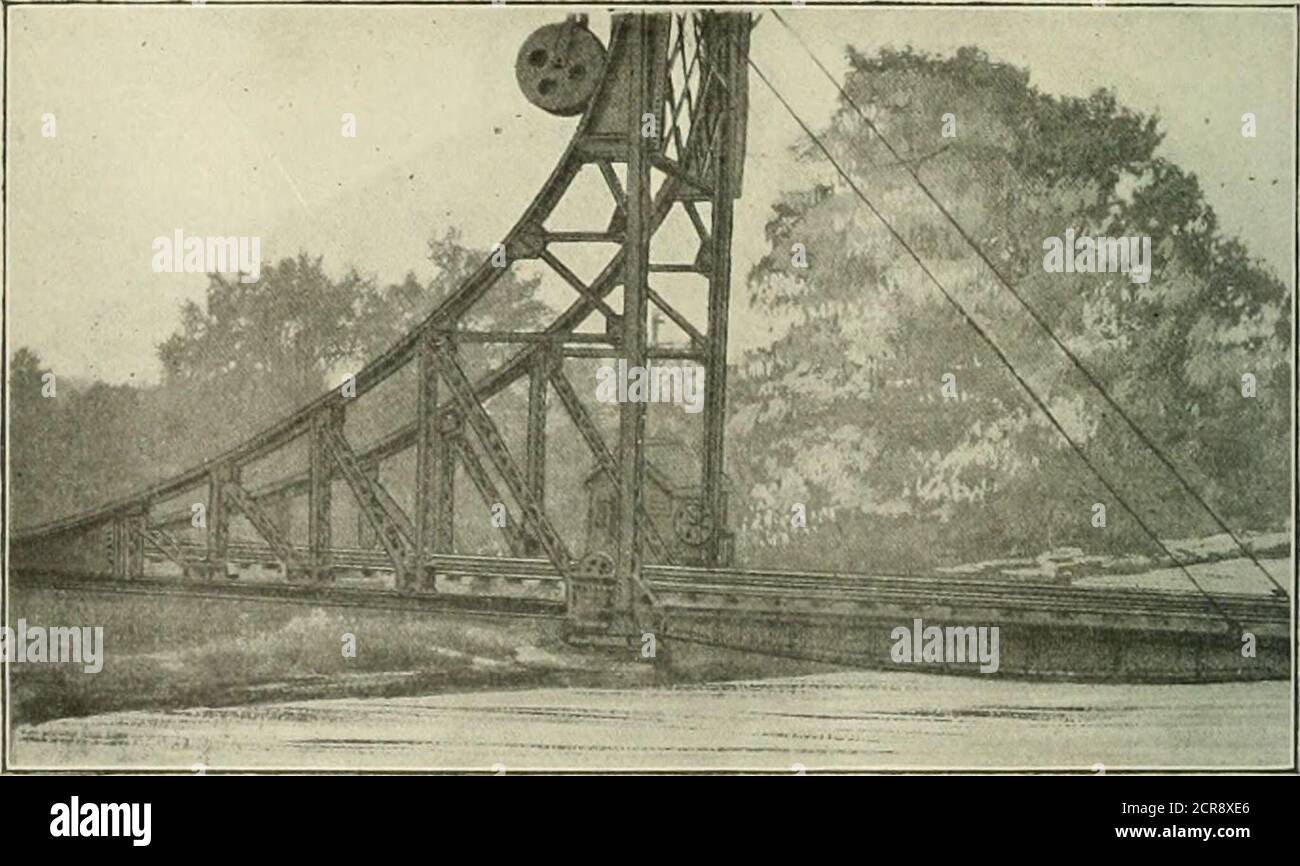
[(390, 524), (590, 434), (536, 439), (578, 285), (392, 508), (487, 489), (166, 544), (435, 474), (320, 493), (126, 544), (407, 435), (601, 137), (545, 338), (692, 188), (367, 538), (218, 518), (640, 151), (728, 61), (173, 519), (698, 341), (265, 525), (534, 516)]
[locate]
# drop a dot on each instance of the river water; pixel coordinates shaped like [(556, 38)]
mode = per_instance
[(845, 720)]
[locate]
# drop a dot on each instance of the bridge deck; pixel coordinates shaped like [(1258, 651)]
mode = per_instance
[(1047, 629)]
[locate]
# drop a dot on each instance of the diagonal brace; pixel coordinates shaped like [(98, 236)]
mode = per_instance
[(534, 517), (393, 527), (487, 488), (590, 433), (166, 544), (579, 286), (262, 522)]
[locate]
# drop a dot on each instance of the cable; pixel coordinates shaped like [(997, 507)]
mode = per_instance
[(997, 350), (1037, 317)]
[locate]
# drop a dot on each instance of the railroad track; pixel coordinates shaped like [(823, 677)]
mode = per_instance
[(534, 587), (1049, 631), (944, 591), (300, 594)]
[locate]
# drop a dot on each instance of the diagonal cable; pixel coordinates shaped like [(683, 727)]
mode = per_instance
[(997, 350), (1037, 317)]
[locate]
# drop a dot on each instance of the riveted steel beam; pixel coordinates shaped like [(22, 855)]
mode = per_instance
[(218, 518), (536, 447), (392, 527), (435, 474), (642, 145), (320, 494), (265, 525), (729, 35), (536, 523), (487, 488)]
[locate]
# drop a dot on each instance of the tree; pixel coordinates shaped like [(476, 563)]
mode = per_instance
[(388, 313), (73, 445), (255, 351), (32, 422), (847, 411)]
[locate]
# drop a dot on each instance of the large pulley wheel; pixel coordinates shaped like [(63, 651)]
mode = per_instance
[(692, 523), (560, 66)]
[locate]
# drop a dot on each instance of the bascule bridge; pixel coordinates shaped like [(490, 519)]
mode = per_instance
[(662, 104)]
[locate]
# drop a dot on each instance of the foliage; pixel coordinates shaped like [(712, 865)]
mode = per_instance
[(249, 355), (844, 411)]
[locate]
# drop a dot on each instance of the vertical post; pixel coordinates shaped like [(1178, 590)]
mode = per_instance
[(319, 496), (726, 60), (435, 473), (278, 508), (118, 542), (632, 345), (218, 518), (538, 375), (367, 538), (108, 534), (135, 526), (444, 471)]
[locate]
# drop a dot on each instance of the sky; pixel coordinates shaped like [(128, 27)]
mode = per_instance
[(226, 121)]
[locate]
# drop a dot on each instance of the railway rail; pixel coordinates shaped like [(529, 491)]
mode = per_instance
[(1131, 634)]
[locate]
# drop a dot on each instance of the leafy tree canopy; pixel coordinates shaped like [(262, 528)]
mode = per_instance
[(845, 413)]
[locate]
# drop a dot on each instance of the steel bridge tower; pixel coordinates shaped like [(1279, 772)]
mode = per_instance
[(664, 105), (674, 101)]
